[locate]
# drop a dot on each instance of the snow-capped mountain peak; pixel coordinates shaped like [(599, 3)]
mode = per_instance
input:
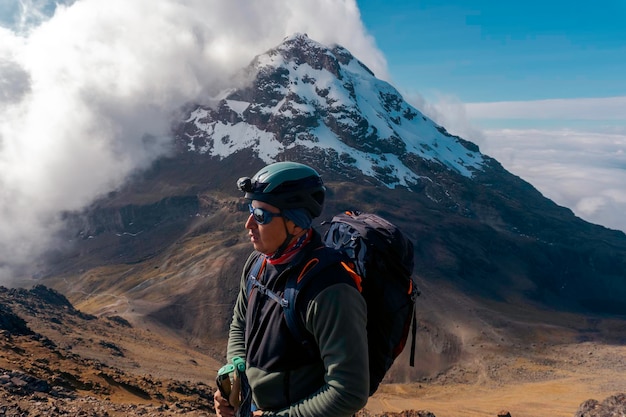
[(311, 99)]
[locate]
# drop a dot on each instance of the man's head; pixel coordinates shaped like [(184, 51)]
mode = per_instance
[(296, 189), (284, 199)]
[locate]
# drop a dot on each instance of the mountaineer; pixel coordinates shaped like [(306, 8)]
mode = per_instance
[(328, 375)]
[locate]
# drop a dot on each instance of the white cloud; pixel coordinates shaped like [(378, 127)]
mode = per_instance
[(581, 168), (585, 171), (450, 112), (606, 108), (88, 88)]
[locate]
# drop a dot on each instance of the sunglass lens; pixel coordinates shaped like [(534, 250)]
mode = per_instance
[(260, 216)]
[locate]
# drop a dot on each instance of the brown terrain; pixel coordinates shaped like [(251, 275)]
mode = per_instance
[(57, 360)]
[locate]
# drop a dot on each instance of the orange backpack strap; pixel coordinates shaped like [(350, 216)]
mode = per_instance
[(312, 280), (358, 281)]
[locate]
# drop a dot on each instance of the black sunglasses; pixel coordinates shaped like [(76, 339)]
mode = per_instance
[(262, 216)]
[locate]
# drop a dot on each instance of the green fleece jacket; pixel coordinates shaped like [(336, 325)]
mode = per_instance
[(337, 384)]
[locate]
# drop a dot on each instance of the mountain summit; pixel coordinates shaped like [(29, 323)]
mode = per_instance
[(312, 101), (320, 105)]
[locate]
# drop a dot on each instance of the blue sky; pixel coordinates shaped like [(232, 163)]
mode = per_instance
[(487, 50)]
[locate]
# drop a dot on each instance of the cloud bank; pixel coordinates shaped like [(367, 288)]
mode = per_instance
[(88, 88), (605, 108), (582, 168)]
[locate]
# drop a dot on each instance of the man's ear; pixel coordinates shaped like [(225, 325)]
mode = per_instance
[(293, 228)]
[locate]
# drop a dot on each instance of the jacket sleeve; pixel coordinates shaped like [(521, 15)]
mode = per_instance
[(337, 318)]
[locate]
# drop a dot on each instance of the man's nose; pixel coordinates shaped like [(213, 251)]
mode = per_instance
[(250, 223)]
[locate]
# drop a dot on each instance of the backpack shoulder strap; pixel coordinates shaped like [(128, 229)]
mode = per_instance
[(321, 258), (252, 282), (253, 271)]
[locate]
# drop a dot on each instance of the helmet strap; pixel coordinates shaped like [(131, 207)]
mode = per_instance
[(290, 242), (285, 243)]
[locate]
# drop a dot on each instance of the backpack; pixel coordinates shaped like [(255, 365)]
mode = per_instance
[(382, 257)]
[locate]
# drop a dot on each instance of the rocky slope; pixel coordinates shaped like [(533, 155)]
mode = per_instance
[(59, 361), (56, 360)]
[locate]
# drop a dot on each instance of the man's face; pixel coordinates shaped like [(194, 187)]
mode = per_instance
[(267, 238)]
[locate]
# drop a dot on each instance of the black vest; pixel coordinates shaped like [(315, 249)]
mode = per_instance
[(270, 345)]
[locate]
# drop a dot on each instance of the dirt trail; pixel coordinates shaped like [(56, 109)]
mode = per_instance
[(553, 398), (526, 387)]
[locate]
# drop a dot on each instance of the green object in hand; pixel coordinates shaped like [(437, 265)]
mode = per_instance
[(228, 381)]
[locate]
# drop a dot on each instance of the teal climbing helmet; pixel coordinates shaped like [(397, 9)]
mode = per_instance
[(286, 185)]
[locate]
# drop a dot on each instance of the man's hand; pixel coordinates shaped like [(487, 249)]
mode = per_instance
[(222, 407)]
